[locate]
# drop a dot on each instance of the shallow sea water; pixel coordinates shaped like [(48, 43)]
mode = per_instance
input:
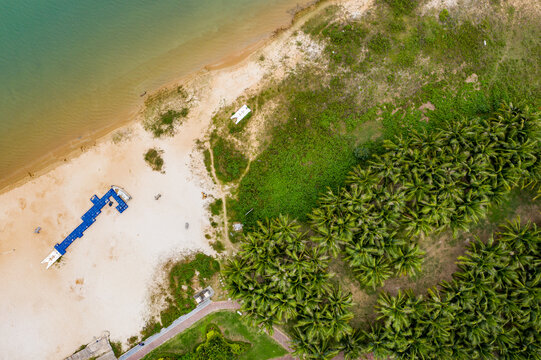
[(71, 67)]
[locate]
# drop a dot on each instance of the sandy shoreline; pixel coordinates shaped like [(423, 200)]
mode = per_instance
[(103, 281), (77, 146)]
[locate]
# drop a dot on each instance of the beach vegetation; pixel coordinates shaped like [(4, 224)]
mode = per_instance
[(165, 123), (400, 7), (180, 289), (117, 348), (229, 162), (153, 158), (216, 207), (218, 246), (244, 342), (132, 340)]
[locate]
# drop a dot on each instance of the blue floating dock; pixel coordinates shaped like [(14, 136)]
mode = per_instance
[(90, 217)]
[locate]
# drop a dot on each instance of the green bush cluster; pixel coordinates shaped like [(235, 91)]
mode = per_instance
[(165, 123), (400, 7), (154, 159), (379, 43), (216, 347), (216, 207), (229, 162), (182, 300), (344, 41), (279, 276), (218, 246), (425, 183), (490, 310)]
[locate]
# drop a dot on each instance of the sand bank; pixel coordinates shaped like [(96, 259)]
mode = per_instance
[(102, 283)]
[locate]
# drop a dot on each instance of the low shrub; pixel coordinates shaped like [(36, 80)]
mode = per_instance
[(117, 348), (216, 207), (218, 246), (165, 123), (379, 43), (229, 162), (154, 159), (400, 7)]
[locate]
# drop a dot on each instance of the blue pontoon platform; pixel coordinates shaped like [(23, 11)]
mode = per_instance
[(118, 194)]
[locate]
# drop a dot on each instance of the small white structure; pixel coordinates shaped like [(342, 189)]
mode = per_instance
[(240, 114), (237, 226)]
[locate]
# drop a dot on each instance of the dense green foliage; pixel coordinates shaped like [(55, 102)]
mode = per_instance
[(165, 123), (229, 162), (489, 310), (154, 159), (216, 347), (425, 183), (261, 347), (216, 207), (279, 276), (304, 148), (402, 6)]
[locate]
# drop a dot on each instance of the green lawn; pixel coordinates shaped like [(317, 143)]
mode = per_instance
[(263, 347)]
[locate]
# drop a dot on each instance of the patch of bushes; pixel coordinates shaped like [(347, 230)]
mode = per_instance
[(182, 273), (132, 340), (443, 15), (379, 43), (316, 24), (229, 162), (400, 7), (151, 327), (181, 300), (216, 207), (218, 246), (216, 347), (165, 123), (345, 42), (117, 348), (154, 159)]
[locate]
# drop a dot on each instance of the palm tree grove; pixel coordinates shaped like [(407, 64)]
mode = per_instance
[(423, 183)]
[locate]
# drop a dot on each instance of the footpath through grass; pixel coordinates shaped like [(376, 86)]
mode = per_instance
[(230, 323)]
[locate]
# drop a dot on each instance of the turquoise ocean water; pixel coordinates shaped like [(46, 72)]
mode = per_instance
[(71, 67)]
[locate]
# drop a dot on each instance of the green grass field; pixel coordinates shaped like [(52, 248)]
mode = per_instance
[(232, 327), (468, 69)]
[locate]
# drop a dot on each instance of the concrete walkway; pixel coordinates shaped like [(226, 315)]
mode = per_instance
[(186, 321), (177, 327)]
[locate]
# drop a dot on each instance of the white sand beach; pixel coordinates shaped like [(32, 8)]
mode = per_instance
[(103, 282)]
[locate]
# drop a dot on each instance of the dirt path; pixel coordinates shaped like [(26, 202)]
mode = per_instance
[(222, 194)]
